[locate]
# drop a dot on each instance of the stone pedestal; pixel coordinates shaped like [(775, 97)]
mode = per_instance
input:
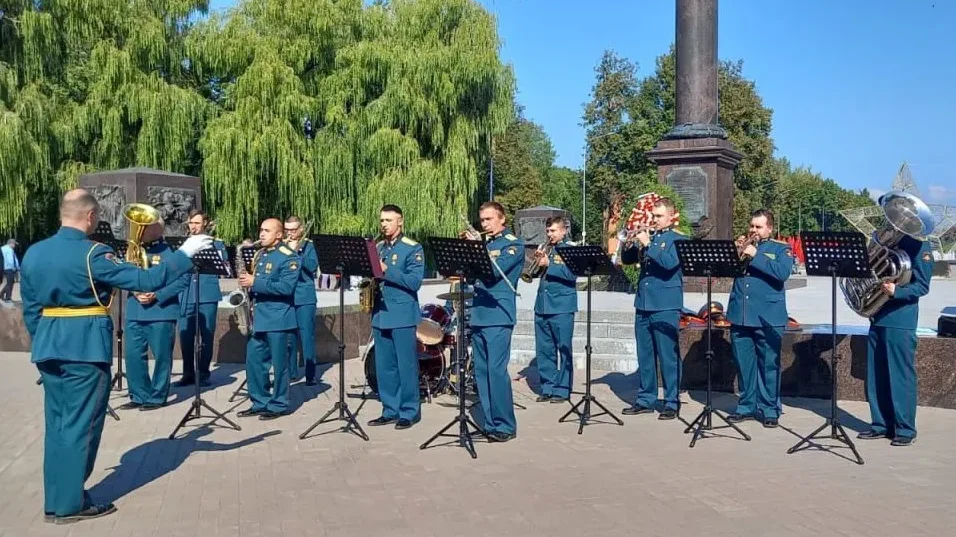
[(530, 224), (172, 194), (701, 171)]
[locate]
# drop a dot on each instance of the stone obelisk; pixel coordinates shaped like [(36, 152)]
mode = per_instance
[(695, 158)]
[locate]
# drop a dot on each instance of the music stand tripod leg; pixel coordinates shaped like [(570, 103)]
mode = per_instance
[(704, 419), (111, 412), (351, 424), (195, 408), (585, 415), (464, 435), (238, 391)]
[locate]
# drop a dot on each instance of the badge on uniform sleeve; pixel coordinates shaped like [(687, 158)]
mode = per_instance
[(788, 253), (418, 257), (111, 257), (927, 257), (512, 250), (293, 265)]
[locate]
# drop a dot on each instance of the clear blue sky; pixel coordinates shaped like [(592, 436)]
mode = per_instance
[(856, 86)]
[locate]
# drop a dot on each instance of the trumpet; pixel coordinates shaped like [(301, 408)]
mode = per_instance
[(532, 270), (743, 242), (627, 237), (473, 234)]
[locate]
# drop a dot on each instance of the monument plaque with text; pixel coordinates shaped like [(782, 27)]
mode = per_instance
[(690, 183)]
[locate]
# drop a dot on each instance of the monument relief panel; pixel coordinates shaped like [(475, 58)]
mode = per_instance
[(174, 205), (112, 199), (690, 183)]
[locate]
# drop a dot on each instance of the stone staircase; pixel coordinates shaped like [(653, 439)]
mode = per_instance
[(612, 340)]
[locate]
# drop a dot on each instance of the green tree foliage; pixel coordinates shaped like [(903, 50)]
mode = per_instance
[(403, 97), (806, 200), (523, 157), (90, 85)]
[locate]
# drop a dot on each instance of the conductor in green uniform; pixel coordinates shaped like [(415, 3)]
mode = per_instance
[(67, 284)]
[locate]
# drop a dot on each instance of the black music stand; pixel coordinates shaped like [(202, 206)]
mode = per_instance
[(104, 233), (586, 261), (834, 254), (345, 256), (206, 261), (248, 254), (467, 260), (712, 259)]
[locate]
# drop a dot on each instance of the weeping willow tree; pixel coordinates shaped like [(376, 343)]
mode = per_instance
[(91, 85), (401, 97)]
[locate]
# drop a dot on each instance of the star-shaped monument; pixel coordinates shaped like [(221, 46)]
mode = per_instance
[(863, 218)]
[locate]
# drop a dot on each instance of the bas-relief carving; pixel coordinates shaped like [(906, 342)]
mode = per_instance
[(112, 199), (532, 230), (174, 205)]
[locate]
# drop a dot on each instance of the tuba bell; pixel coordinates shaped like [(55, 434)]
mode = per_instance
[(140, 216), (905, 215)]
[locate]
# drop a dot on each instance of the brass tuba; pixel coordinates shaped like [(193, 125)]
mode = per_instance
[(140, 216), (905, 214)]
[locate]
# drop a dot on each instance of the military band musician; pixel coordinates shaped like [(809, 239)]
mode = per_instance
[(395, 315), (757, 312), (492, 322), (305, 299), (554, 309), (209, 296), (891, 382), (658, 301), (271, 284), (151, 325)]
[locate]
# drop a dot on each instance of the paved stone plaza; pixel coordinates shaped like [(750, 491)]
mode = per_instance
[(639, 479)]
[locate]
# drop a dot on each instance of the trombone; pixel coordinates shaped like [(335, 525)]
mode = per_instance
[(474, 235)]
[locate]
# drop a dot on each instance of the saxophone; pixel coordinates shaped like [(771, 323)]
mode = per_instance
[(240, 297), (368, 290)]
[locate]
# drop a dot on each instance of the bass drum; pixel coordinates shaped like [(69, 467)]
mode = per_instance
[(431, 368)]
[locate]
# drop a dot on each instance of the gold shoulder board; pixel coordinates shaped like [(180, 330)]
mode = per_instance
[(780, 242), (408, 241), (285, 250), (511, 237)]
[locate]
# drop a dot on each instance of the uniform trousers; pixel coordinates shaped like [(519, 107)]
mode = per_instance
[(891, 385), (491, 346), (267, 350), (75, 395), (396, 369)]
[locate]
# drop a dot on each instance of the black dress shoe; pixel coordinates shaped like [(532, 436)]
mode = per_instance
[(265, 416), (93, 511), (49, 518), (406, 424), (131, 405), (903, 441), (310, 382), (737, 418), (381, 420), (870, 435), (637, 409), (182, 383), (557, 400), (150, 406), (667, 414), (770, 423), (543, 399), (501, 437), (249, 413)]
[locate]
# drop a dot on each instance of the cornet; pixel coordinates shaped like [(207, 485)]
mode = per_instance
[(626, 237)]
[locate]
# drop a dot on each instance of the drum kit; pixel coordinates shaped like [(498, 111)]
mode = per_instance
[(436, 348)]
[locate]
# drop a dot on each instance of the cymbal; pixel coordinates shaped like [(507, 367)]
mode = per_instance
[(455, 295)]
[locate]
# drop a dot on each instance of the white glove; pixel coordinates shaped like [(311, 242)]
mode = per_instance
[(195, 243)]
